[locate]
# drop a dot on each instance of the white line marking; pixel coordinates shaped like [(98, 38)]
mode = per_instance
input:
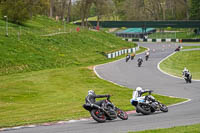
[(94, 69), (158, 67), (188, 100)]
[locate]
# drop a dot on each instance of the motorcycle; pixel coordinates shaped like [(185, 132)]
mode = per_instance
[(188, 77), (178, 48), (147, 57), (148, 104), (108, 111), (128, 57), (139, 63)]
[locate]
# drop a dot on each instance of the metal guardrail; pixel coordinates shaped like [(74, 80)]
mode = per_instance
[(147, 24)]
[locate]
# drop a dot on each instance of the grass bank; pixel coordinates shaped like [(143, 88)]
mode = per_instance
[(181, 129), (176, 63), (45, 79), (190, 47), (175, 33)]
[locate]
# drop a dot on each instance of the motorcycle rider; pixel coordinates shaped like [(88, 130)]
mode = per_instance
[(137, 94), (185, 72), (149, 100), (147, 55), (91, 99), (140, 60), (132, 56), (128, 57)]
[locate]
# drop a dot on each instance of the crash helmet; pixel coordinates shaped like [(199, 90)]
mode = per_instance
[(138, 89), (91, 92), (185, 69)]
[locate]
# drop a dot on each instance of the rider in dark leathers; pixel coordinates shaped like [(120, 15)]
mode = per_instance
[(91, 99)]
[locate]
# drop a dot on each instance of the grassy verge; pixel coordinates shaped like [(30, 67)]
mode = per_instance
[(181, 35), (190, 47), (45, 79), (56, 94), (175, 64), (52, 95), (181, 129)]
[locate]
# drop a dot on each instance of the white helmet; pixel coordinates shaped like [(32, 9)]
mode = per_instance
[(185, 69), (138, 89), (91, 92)]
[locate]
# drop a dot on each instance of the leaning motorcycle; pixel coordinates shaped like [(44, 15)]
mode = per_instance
[(146, 57), (188, 78), (108, 111), (148, 104), (139, 63)]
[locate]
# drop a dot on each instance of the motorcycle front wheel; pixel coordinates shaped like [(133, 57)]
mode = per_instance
[(164, 108), (121, 114), (98, 115)]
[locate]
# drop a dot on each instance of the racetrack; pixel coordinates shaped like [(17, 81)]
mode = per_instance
[(148, 77)]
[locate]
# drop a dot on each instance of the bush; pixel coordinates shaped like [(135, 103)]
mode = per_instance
[(16, 11)]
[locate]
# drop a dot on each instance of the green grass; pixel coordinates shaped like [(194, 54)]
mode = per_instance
[(35, 52), (190, 47), (180, 35), (176, 63), (181, 129), (45, 79)]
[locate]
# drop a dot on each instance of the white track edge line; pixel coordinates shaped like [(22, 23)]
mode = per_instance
[(158, 67), (188, 100), (94, 69)]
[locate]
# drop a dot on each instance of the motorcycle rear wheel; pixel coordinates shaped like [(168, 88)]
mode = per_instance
[(121, 114), (98, 116), (144, 111)]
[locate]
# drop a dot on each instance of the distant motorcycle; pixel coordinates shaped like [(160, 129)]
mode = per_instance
[(128, 57), (146, 57), (108, 111), (188, 77), (140, 62), (178, 48), (148, 104)]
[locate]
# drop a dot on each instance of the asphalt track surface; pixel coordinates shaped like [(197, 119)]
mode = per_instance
[(148, 77)]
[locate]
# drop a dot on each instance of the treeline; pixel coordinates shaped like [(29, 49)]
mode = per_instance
[(70, 10)]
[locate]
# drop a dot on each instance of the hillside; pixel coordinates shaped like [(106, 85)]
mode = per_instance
[(47, 78), (35, 52)]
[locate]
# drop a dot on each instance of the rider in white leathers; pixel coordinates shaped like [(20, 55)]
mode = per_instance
[(185, 70), (137, 94)]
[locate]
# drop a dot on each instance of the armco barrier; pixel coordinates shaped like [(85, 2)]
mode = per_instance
[(121, 52), (161, 40), (190, 40)]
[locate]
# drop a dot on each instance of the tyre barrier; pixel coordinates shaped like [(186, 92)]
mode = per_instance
[(152, 40), (121, 52), (161, 40)]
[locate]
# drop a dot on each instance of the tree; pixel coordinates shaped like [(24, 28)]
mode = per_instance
[(51, 8), (102, 8), (69, 11), (16, 10), (195, 10), (84, 11), (19, 11)]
